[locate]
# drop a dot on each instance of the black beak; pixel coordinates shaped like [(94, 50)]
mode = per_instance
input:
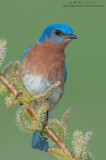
[(70, 36)]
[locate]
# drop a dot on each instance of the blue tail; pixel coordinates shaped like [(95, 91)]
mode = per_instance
[(39, 142)]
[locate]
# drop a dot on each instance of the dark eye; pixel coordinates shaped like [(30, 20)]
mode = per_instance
[(57, 32)]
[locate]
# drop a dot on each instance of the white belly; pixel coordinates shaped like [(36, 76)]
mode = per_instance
[(37, 84)]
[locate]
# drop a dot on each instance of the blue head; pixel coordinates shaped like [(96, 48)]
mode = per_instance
[(57, 33)]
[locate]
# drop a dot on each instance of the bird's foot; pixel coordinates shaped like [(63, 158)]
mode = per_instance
[(17, 96)]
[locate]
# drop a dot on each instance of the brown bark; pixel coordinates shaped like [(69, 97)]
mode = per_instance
[(60, 143), (9, 86)]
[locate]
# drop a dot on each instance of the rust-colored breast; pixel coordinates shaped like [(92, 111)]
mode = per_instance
[(46, 59)]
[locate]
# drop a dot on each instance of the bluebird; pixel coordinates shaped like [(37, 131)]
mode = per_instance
[(42, 65)]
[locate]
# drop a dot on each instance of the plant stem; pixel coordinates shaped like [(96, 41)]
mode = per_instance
[(9, 86), (60, 143), (49, 131)]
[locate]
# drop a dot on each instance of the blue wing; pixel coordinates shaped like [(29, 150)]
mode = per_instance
[(65, 72), (25, 52)]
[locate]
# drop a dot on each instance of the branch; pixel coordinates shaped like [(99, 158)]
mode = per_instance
[(60, 143), (9, 86), (49, 131)]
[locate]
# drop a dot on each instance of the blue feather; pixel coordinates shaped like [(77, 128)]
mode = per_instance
[(65, 72), (25, 52), (49, 33), (39, 141)]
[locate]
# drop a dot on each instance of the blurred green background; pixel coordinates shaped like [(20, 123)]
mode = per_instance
[(21, 23)]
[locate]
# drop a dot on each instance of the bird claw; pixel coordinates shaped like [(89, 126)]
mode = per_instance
[(20, 93)]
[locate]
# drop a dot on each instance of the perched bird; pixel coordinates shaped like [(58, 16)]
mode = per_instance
[(43, 64)]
